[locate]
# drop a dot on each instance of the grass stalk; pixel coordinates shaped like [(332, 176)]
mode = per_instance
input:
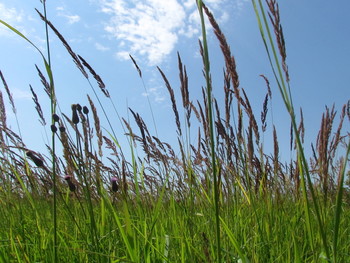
[(53, 136), (211, 131), (287, 98), (339, 204)]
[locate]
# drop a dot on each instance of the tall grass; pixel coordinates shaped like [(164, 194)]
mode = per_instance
[(221, 199), (206, 62)]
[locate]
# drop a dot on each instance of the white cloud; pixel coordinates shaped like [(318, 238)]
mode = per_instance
[(71, 19), (189, 4), (12, 16), (155, 93), (239, 5), (19, 94), (151, 28), (123, 55)]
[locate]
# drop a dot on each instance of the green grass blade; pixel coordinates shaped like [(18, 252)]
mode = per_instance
[(234, 242), (339, 202)]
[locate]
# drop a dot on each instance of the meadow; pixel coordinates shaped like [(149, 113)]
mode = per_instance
[(222, 199)]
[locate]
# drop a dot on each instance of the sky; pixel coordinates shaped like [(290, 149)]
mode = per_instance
[(105, 32)]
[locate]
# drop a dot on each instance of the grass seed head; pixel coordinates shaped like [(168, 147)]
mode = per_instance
[(55, 117), (70, 183), (79, 108), (85, 110), (75, 117), (114, 184), (53, 128), (38, 162)]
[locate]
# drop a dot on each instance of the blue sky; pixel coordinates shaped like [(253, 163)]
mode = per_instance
[(105, 32)]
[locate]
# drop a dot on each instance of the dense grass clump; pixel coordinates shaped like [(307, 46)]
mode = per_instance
[(221, 199)]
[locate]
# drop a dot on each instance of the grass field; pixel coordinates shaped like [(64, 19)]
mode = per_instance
[(222, 199)]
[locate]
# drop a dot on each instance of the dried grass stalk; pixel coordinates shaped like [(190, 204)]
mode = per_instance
[(275, 150), (43, 80), (264, 113), (96, 77), (8, 93), (173, 101), (226, 51), (67, 152), (142, 128), (228, 98), (38, 107), (252, 120), (97, 126), (274, 16), (137, 67), (2, 112), (65, 44), (184, 89)]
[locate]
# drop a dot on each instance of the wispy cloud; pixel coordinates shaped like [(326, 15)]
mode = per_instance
[(155, 93), (151, 28), (101, 47), (239, 4), (71, 19)]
